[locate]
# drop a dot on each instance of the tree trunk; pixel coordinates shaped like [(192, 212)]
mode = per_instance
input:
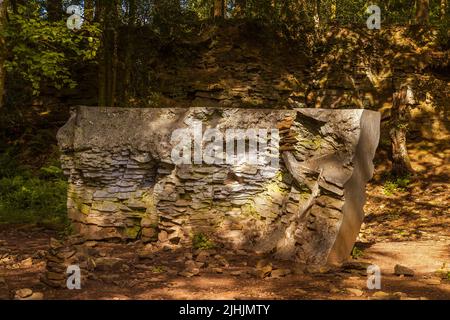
[(317, 14), (219, 9), (401, 164), (443, 9), (89, 10), (128, 63), (108, 60), (240, 8), (333, 10), (54, 10), (3, 21), (16, 3), (422, 11), (98, 10)]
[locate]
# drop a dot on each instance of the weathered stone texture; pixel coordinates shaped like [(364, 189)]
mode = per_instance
[(123, 183)]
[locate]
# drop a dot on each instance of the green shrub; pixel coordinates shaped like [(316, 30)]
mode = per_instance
[(392, 185), (38, 197), (357, 252), (51, 172), (201, 241), (9, 166), (32, 200)]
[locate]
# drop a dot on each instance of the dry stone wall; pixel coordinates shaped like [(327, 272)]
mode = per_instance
[(124, 184)]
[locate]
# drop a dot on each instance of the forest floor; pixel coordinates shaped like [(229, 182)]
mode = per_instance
[(407, 223)]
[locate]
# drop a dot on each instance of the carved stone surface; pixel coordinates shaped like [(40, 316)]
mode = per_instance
[(124, 184)]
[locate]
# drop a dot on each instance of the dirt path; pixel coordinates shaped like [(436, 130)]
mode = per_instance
[(158, 277)]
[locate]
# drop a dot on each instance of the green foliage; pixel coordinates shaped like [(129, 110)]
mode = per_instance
[(202, 8), (9, 166), (158, 269), (201, 241), (42, 52), (26, 197), (392, 185), (51, 172), (32, 200), (357, 252), (443, 34), (443, 272)]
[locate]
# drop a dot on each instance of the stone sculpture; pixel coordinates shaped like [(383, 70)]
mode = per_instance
[(124, 184)]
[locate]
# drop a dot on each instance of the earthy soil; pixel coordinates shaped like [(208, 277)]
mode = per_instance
[(409, 226)]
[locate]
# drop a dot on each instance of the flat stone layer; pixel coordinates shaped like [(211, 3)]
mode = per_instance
[(302, 200)]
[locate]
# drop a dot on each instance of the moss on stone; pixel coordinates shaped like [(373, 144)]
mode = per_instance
[(313, 143), (249, 209), (132, 232)]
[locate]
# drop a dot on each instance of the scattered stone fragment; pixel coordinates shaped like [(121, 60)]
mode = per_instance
[(108, 263), (400, 295), (27, 262), (355, 292), (90, 243), (238, 272), (400, 270), (34, 296), (300, 291), (278, 273), (355, 265), (432, 281), (381, 295), (334, 289), (217, 270), (23, 293), (186, 274), (263, 269)]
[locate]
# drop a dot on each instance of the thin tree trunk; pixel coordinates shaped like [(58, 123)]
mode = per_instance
[(219, 9), (126, 85), (333, 10), (443, 9), (317, 14), (108, 62), (54, 10), (422, 11), (3, 21), (401, 165), (89, 10), (240, 8), (98, 10)]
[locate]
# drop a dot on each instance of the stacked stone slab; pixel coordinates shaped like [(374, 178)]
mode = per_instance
[(124, 184), (74, 251), (59, 256)]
